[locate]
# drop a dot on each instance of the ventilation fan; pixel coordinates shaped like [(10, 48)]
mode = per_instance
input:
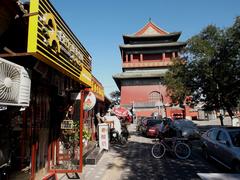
[(15, 84)]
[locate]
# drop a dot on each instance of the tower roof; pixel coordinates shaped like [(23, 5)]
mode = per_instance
[(151, 29)]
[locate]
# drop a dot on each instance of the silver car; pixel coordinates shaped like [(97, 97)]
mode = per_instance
[(223, 145)]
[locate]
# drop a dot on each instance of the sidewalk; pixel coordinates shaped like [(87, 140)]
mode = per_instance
[(106, 168), (226, 121), (110, 165)]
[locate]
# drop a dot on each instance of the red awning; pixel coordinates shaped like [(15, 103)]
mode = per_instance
[(121, 111)]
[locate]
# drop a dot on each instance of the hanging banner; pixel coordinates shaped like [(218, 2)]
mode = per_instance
[(89, 102)]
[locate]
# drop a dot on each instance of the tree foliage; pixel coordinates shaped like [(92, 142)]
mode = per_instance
[(175, 80), (211, 73), (115, 97)]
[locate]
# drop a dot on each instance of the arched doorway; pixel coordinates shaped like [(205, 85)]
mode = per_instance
[(157, 98)]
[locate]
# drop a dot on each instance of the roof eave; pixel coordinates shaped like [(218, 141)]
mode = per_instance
[(179, 44)]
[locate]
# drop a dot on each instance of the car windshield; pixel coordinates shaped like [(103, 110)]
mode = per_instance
[(235, 137), (153, 122), (183, 123)]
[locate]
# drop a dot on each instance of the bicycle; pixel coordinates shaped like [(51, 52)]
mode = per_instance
[(178, 146)]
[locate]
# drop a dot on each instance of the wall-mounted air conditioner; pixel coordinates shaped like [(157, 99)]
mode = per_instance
[(15, 84)]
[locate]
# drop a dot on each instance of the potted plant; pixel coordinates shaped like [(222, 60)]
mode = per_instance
[(86, 136)]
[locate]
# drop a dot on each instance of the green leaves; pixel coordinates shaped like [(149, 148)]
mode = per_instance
[(211, 73), (115, 98), (175, 79)]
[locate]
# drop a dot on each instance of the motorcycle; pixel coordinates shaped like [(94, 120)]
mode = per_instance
[(115, 137)]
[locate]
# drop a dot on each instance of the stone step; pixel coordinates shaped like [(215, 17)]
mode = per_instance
[(94, 156), (88, 149)]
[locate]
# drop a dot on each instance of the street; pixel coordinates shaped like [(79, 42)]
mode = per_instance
[(134, 161)]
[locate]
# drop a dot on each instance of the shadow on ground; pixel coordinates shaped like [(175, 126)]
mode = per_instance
[(138, 162)]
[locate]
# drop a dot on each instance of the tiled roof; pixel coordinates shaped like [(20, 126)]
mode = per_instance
[(151, 29)]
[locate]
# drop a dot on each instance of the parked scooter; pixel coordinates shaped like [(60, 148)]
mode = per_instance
[(125, 133), (115, 137)]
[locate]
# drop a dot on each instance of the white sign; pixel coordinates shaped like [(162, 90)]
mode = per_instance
[(89, 102), (103, 134), (67, 124)]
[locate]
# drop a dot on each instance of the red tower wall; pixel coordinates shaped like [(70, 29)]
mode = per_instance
[(130, 94)]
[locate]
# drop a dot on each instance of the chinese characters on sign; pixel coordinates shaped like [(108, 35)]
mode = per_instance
[(103, 136), (67, 124)]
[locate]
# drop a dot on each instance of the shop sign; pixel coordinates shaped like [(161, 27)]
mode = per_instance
[(67, 124), (103, 136), (51, 41), (89, 102), (98, 89)]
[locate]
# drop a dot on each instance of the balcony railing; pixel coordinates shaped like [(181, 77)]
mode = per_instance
[(146, 64)]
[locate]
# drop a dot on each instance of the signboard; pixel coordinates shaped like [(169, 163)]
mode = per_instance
[(51, 41), (89, 102), (97, 89), (67, 124), (103, 136)]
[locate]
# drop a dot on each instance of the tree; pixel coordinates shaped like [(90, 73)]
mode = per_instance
[(115, 98), (212, 70), (175, 81)]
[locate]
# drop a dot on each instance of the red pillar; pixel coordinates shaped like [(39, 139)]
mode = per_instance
[(141, 57), (81, 130), (126, 57), (131, 57)]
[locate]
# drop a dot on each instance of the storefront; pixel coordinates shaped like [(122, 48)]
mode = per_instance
[(46, 136)]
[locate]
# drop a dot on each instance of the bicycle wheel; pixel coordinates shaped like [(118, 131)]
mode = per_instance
[(182, 150), (158, 150)]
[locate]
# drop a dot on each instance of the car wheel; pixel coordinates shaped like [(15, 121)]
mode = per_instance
[(205, 153), (236, 166)]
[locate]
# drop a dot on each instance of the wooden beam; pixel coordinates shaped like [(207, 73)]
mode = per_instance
[(13, 54)]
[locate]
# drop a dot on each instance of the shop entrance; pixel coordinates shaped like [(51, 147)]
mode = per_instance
[(64, 153)]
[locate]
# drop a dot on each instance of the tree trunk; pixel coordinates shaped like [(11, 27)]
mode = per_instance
[(229, 110), (221, 119)]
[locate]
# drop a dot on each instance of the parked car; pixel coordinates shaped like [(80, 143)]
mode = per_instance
[(150, 127), (141, 123), (223, 145), (187, 128)]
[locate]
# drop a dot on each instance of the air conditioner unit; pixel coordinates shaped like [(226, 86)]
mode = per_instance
[(15, 84)]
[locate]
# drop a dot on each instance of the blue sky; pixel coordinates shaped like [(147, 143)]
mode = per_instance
[(100, 24)]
